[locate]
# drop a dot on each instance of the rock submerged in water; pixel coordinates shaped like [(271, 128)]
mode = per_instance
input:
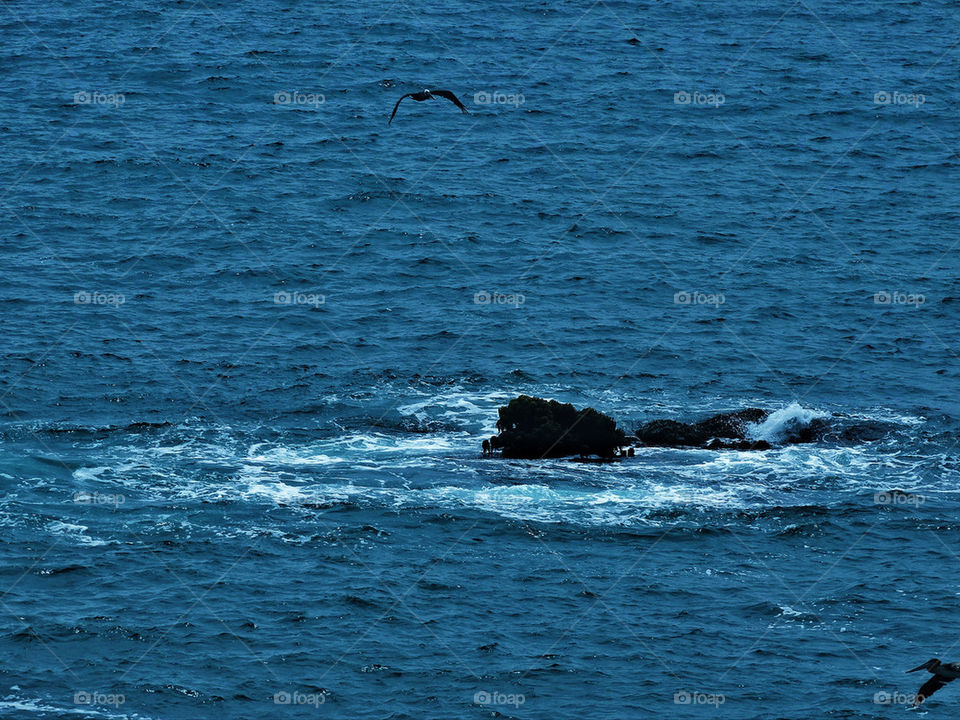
[(534, 428), (726, 431)]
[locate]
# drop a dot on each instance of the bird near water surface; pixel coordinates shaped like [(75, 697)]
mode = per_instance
[(942, 674), (427, 95)]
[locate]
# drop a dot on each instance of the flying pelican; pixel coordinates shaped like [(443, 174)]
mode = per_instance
[(942, 674), (426, 95)]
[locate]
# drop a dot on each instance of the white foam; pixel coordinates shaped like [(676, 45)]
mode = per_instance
[(89, 474), (362, 450), (76, 532), (38, 706), (456, 405), (532, 501), (278, 492), (403, 471), (782, 422)]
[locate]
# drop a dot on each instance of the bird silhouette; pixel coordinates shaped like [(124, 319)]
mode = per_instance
[(426, 95), (942, 674)]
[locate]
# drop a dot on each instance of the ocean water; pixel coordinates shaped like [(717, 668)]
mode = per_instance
[(252, 339)]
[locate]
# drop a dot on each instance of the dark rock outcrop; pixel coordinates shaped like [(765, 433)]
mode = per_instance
[(723, 431), (812, 432), (533, 428)]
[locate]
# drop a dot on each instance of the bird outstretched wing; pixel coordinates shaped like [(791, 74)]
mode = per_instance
[(396, 106), (449, 96), (929, 688)]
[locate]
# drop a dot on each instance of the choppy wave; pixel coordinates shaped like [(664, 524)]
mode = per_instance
[(414, 471), (363, 464), (783, 423), (47, 709)]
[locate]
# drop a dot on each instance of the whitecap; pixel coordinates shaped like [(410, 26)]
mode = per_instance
[(38, 706), (781, 423), (75, 532)]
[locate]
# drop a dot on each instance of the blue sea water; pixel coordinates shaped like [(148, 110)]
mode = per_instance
[(252, 339)]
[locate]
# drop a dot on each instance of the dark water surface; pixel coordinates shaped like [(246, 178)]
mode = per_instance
[(252, 338)]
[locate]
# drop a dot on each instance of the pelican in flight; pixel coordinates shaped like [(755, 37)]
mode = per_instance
[(942, 674), (426, 95)]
